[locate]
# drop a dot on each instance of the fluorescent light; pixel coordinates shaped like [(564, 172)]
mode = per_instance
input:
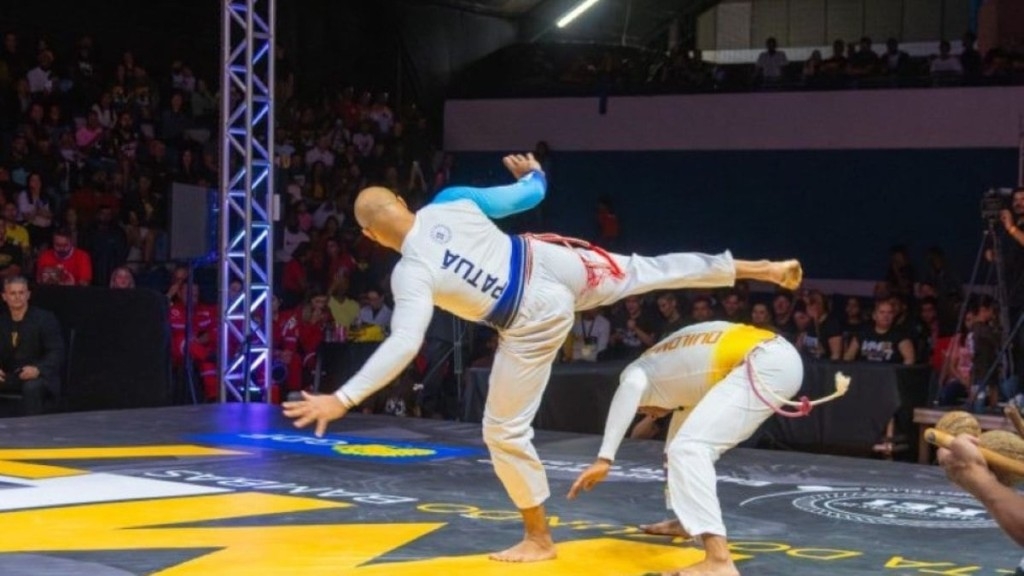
[(575, 12)]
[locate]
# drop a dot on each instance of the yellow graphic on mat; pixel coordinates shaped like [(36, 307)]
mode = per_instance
[(337, 548), (327, 549), (12, 460), (382, 451)]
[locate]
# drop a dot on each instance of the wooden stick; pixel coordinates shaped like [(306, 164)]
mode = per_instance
[(994, 459), (1013, 413)]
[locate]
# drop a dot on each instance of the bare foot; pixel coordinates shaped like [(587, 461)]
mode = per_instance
[(529, 550), (788, 274), (670, 527), (707, 568)]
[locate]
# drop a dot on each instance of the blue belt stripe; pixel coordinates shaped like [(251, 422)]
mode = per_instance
[(507, 306)]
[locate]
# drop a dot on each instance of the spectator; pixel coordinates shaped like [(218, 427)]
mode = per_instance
[(607, 224), (31, 348), (938, 273), (732, 307), (833, 69), (761, 317), (900, 275), (970, 59), (701, 309), (315, 326), (294, 234), (895, 62), (633, 329), (16, 233), (824, 337), (321, 153), (590, 335), (296, 276), (771, 63), (782, 315), (881, 342), (15, 59), (106, 116), (375, 312), (63, 263), (812, 69), (34, 209), (945, 66), (177, 287), (11, 255), (671, 319), (853, 318), (344, 309), (41, 79), (864, 63), (122, 278), (202, 343), (287, 367), (983, 341)]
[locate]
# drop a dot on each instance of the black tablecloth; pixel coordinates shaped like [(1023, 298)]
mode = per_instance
[(336, 362), (576, 399), (878, 392), (578, 396)]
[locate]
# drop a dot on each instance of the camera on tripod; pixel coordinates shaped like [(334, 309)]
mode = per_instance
[(994, 201)]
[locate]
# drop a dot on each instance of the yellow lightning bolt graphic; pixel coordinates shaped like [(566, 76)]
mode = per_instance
[(307, 549), (11, 460)]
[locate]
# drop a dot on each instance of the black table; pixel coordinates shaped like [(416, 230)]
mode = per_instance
[(854, 423), (576, 399), (336, 362), (579, 394)]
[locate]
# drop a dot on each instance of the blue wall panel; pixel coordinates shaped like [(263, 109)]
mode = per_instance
[(838, 211)]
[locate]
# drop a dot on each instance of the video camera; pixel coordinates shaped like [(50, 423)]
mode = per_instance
[(994, 201)]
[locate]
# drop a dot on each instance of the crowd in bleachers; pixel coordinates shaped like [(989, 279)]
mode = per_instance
[(578, 69), (90, 150)]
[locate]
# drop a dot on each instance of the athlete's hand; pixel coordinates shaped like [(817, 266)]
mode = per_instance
[(963, 462), (592, 476), (315, 408), (520, 165), (1006, 217)]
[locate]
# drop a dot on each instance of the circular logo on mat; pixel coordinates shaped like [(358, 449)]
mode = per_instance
[(441, 234), (897, 507), (382, 451)]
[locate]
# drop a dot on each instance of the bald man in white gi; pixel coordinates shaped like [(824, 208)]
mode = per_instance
[(713, 370), (528, 288)]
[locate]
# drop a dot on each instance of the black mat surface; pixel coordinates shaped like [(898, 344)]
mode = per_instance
[(234, 489)]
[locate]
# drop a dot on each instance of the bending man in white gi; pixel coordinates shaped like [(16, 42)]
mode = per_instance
[(528, 288), (710, 369)]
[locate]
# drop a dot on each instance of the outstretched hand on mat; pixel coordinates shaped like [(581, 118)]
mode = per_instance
[(592, 476), (315, 408)]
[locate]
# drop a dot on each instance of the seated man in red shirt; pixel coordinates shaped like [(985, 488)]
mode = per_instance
[(202, 344), (63, 263)]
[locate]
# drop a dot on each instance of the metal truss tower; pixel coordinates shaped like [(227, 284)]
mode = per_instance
[(247, 195)]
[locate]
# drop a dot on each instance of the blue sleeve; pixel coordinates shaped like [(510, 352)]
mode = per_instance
[(500, 201)]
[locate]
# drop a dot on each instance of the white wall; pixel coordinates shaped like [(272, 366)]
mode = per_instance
[(864, 119)]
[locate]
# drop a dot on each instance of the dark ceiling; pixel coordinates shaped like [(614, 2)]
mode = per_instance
[(609, 21)]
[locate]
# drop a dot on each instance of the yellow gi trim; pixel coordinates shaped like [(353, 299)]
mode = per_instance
[(732, 347)]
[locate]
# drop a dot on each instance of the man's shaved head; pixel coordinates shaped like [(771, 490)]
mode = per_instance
[(383, 216), (372, 202)]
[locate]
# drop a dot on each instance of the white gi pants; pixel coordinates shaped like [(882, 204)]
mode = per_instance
[(721, 418), (555, 290)]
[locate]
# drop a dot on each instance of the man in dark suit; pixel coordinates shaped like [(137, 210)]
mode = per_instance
[(31, 348)]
